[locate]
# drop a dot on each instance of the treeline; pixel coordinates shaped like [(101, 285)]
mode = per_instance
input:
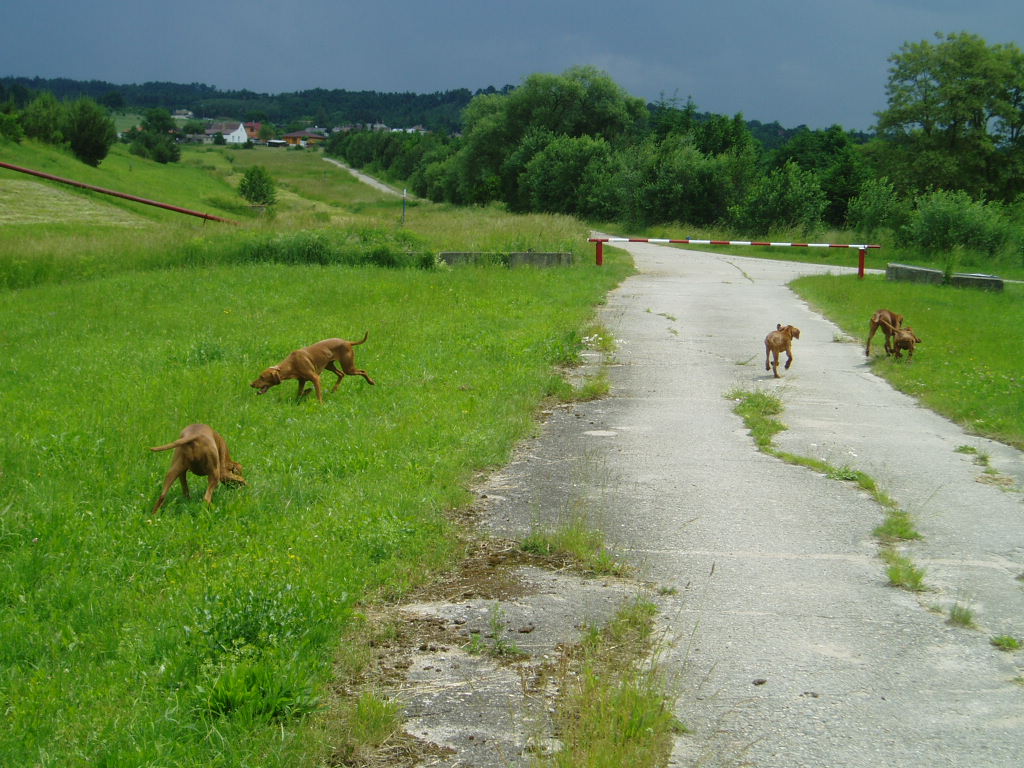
[(438, 111), (945, 170)]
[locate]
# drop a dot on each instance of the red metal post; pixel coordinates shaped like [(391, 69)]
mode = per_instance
[(860, 264), (600, 252)]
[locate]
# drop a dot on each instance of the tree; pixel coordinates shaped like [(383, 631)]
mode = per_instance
[(787, 198), (955, 117), (89, 131), (257, 186), (580, 102), (834, 157), (156, 139), (44, 119)]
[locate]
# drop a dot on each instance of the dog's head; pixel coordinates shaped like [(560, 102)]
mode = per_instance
[(271, 377), (907, 336), (790, 330)]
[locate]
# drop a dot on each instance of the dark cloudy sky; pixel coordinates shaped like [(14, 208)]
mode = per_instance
[(816, 62)]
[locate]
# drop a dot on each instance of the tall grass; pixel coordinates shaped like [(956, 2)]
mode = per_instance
[(193, 637), (968, 367), (205, 635)]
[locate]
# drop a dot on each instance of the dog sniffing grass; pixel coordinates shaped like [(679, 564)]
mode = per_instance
[(969, 369), (208, 629)]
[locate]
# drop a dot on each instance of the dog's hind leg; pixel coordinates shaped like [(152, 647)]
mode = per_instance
[(337, 372)]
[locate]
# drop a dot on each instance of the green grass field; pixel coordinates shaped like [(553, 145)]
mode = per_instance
[(208, 636), (968, 367)]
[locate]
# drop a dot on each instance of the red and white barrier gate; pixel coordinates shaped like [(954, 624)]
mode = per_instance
[(600, 241)]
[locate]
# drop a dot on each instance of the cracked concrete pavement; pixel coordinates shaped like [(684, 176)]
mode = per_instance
[(788, 648)]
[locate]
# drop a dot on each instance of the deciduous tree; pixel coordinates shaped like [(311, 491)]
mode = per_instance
[(955, 116)]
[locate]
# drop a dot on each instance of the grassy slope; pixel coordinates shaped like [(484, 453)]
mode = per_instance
[(200, 637)]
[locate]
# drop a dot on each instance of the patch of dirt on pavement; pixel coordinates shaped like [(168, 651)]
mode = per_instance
[(476, 658)]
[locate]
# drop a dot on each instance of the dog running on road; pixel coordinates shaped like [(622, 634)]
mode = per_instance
[(778, 341)]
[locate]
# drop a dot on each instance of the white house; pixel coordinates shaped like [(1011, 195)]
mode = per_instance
[(233, 133)]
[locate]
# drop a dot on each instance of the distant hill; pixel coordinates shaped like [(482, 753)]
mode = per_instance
[(439, 111), (435, 111)]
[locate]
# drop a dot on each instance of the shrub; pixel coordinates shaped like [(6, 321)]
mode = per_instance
[(945, 220), (257, 186), (89, 131), (10, 128), (877, 206), (788, 198)]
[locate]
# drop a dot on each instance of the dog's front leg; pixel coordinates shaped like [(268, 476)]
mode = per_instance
[(214, 482)]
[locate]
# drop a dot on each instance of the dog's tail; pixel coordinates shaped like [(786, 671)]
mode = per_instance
[(883, 321), (365, 336), (175, 444)]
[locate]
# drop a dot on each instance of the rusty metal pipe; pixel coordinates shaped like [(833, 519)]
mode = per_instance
[(73, 183)]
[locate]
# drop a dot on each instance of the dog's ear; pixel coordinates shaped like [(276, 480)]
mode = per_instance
[(778, 326)]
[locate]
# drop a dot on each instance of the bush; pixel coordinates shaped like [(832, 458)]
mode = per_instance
[(89, 131), (10, 128), (788, 198), (257, 186), (945, 221), (876, 207)]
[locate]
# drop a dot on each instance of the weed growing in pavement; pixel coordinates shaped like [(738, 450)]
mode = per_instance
[(1006, 643), (613, 711), (578, 541), (902, 572), (758, 411), (961, 615)]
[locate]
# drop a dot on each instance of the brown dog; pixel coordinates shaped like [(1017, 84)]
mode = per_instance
[(201, 451), (308, 363), (905, 339), (889, 322), (778, 341)]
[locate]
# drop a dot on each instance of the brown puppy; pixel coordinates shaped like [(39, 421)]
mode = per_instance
[(889, 322), (779, 340), (201, 451), (308, 363), (905, 339)]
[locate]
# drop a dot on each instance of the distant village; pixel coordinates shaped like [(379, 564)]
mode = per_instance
[(237, 132)]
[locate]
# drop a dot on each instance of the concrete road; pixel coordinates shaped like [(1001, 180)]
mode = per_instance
[(786, 643)]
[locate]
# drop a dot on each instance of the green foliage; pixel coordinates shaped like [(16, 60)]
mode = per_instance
[(10, 127), (954, 117), (876, 207), (833, 156), (787, 198), (89, 131), (943, 221), (257, 186), (553, 178), (43, 119), (155, 140), (973, 376)]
